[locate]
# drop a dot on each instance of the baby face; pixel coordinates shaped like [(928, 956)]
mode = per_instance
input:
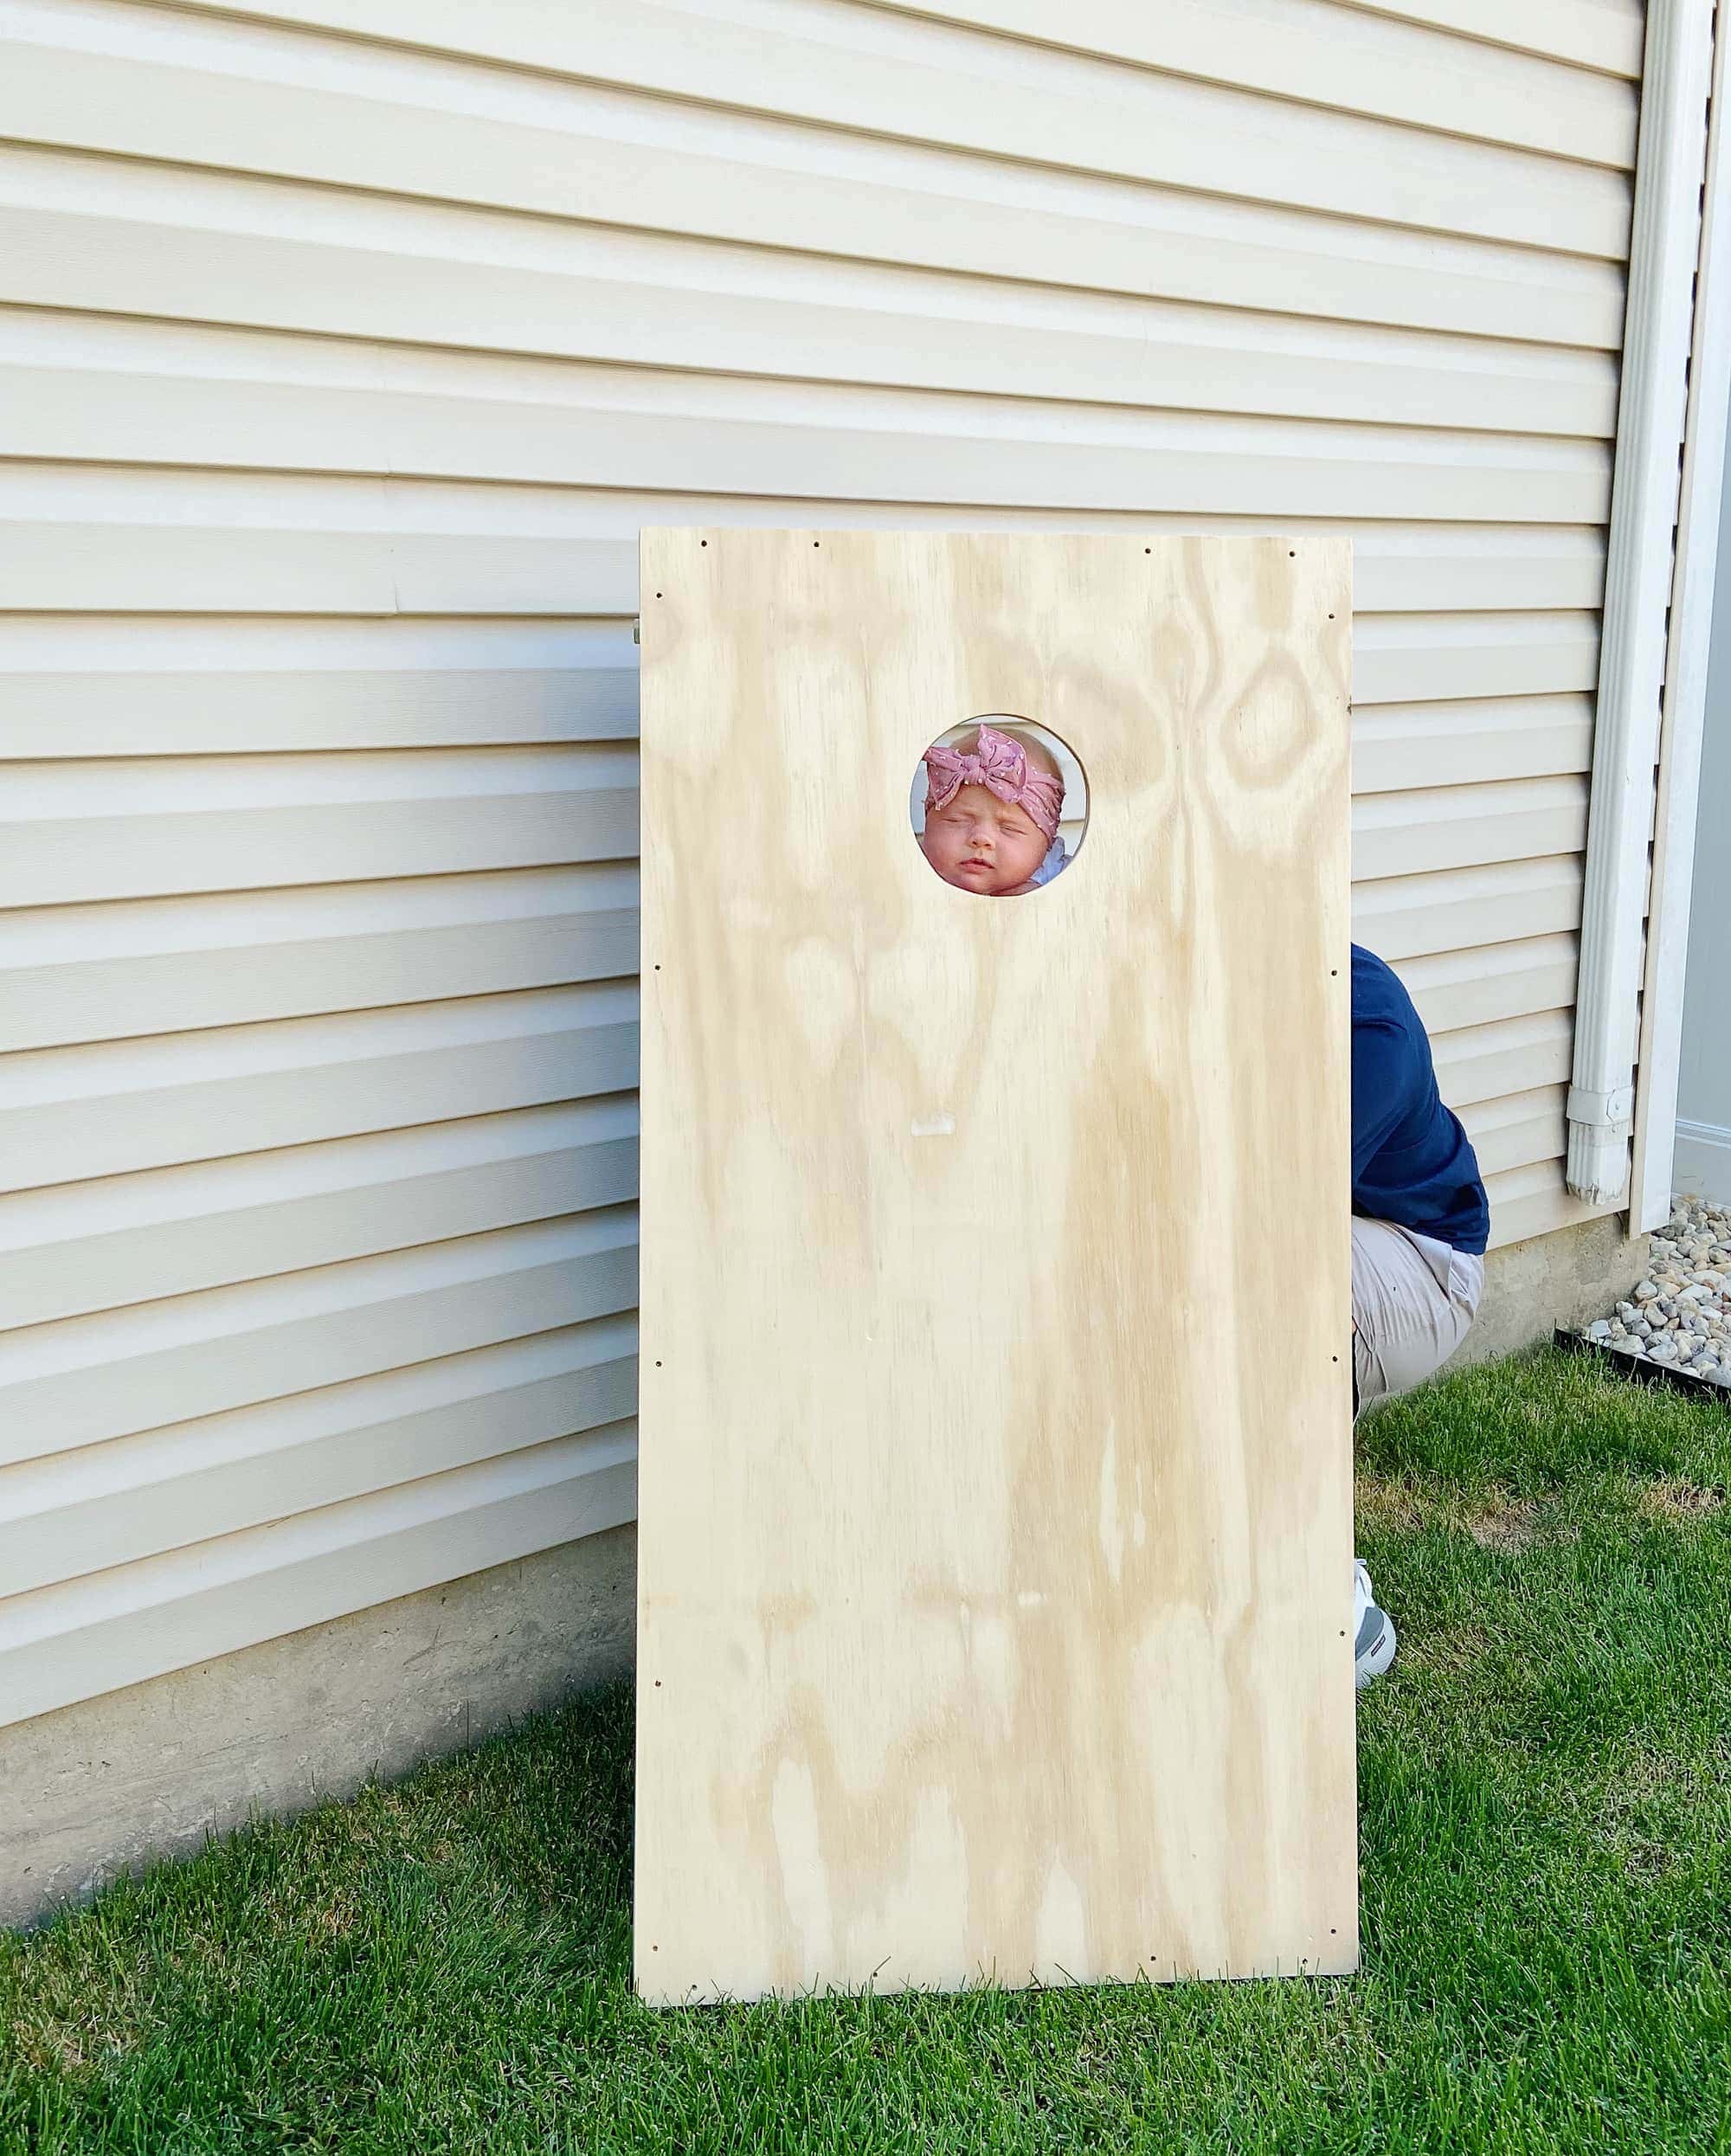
[(979, 843)]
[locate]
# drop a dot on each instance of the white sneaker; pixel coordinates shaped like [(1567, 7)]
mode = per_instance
[(1372, 1630)]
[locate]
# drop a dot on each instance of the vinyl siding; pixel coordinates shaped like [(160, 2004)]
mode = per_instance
[(350, 342)]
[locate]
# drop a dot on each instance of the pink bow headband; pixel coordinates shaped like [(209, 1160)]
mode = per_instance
[(1001, 762)]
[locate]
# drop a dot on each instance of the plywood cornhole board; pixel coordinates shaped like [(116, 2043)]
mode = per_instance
[(995, 1546)]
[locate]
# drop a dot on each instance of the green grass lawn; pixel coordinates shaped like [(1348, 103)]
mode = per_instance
[(1545, 1793)]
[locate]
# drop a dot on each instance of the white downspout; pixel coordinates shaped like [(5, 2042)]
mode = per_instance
[(1670, 157)]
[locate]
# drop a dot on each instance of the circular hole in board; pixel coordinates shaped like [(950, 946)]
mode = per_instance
[(979, 841)]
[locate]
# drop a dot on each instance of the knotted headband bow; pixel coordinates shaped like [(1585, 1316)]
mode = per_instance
[(1001, 762)]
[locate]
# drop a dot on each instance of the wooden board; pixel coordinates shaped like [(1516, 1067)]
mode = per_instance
[(994, 1539)]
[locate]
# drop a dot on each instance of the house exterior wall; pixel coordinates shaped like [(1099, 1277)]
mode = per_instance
[(350, 343)]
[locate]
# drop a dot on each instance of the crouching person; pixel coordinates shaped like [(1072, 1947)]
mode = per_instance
[(1420, 1222)]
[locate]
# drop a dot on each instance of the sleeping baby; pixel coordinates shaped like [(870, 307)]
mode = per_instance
[(992, 811)]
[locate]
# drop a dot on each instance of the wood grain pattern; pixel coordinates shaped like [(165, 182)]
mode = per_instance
[(995, 1564)]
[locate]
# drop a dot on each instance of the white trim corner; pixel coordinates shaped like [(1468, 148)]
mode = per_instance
[(1659, 1143)]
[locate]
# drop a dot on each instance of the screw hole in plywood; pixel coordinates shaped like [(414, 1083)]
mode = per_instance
[(999, 806)]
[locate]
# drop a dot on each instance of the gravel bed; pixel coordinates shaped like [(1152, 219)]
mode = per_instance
[(1679, 1313)]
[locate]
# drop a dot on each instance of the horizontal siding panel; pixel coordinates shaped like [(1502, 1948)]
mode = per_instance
[(156, 965), (136, 1496), (1520, 1130), (1473, 741), (1293, 48), (177, 568), (629, 300), (1411, 916), (1606, 33), (101, 567), (1450, 989), (1451, 569), (99, 1245), (1416, 658), (1385, 69), (246, 822), (91, 539), (1460, 827), (420, 703), (74, 1641), (1536, 1201), (272, 542), (1297, 472), (419, 684), (717, 179), (235, 400), (114, 1108), (57, 790), (88, 1379), (1510, 1055), (109, 685), (860, 68)]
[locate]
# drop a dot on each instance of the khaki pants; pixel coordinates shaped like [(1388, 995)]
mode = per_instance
[(1413, 1300)]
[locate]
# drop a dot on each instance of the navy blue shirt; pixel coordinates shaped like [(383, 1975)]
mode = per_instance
[(1412, 1163)]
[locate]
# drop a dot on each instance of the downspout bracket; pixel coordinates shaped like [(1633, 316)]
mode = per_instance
[(1618, 1105)]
